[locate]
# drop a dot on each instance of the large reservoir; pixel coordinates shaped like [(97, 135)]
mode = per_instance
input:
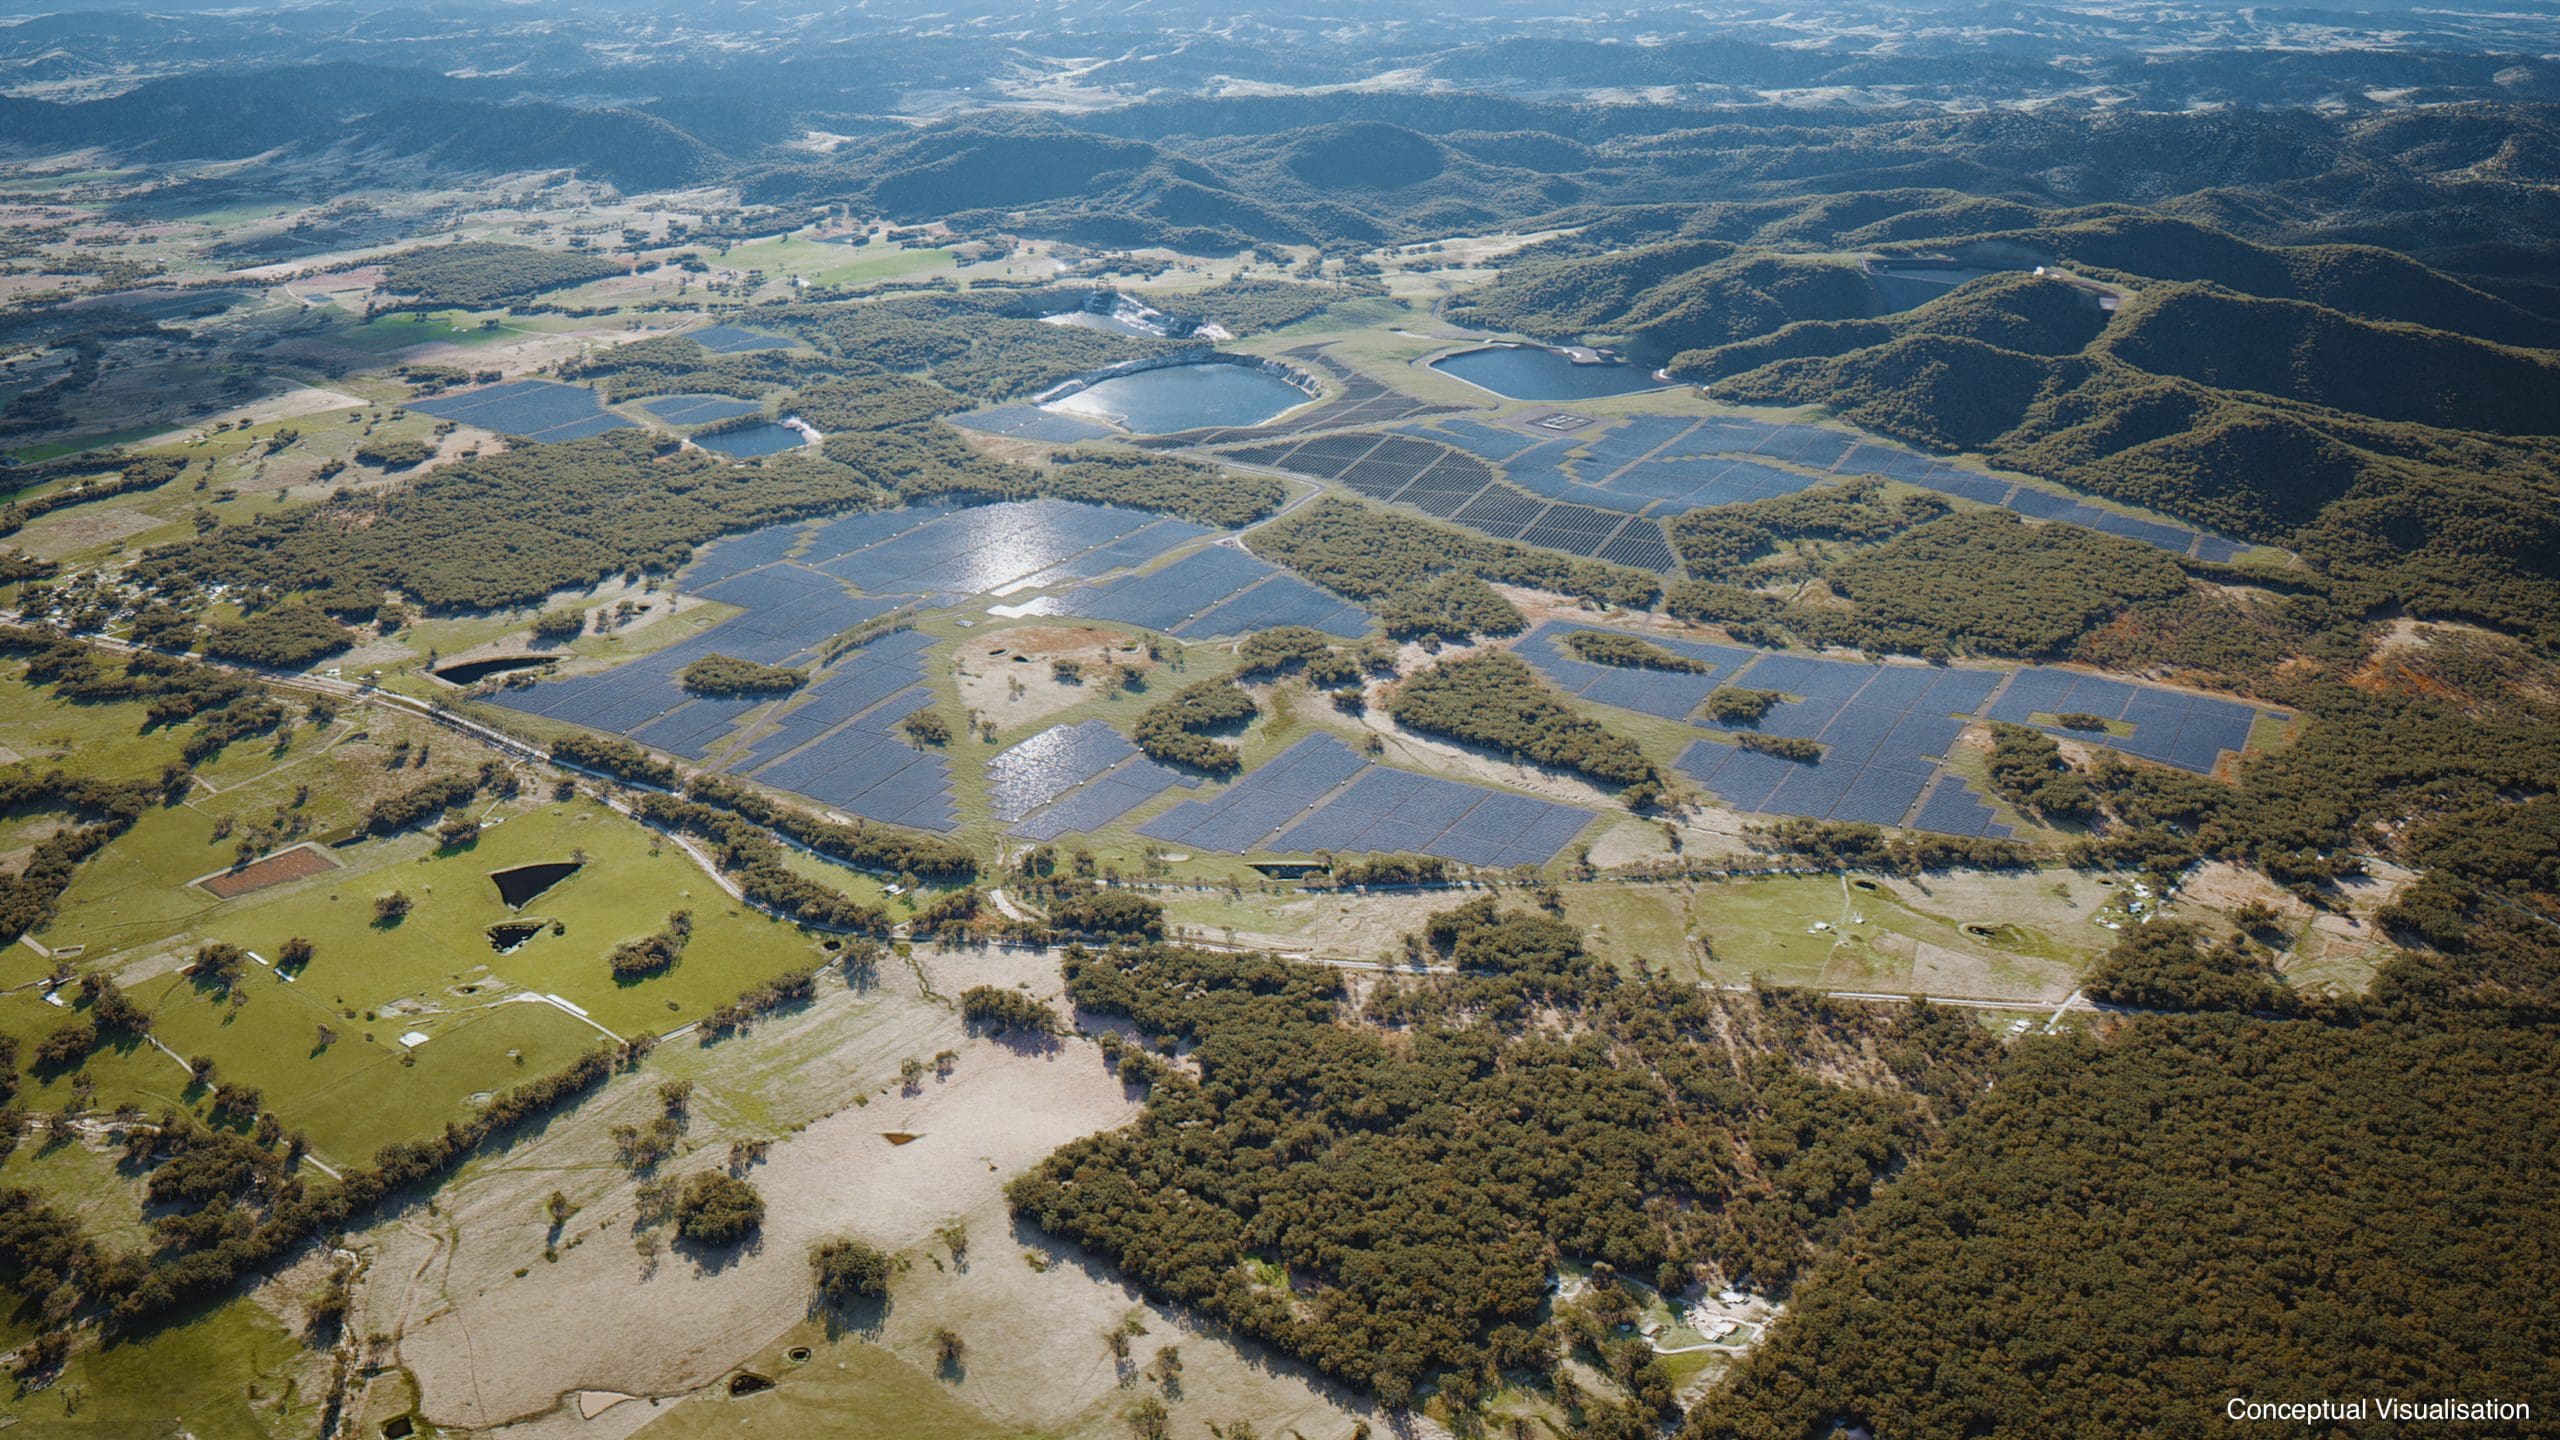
[(1527, 372), (1183, 397)]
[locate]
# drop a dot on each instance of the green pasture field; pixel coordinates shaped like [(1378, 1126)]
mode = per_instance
[(222, 1372), (824, 264), (93, 440), (2030, 935), (384, 334), (84, 1177), (848, 1389), (135, 912), (1636, 928)]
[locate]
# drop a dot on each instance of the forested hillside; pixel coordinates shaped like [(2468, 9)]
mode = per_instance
[(2370, 413), (2137, 1225), (1316, 1185)]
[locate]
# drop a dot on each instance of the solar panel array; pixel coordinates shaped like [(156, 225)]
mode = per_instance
[(1671, 694), (787, 613), (1318, 795), (1051, 763), (1883, 730), (1217, 590), (2191, 732), (1278, 600), (539, 410), (841, 745), (736, 340), (1072, 779), (1106, 799), (1451, 484), (1570, 492), (1030, 422), (691, 409), (984, 548)]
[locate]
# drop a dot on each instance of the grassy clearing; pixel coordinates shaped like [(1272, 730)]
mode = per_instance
[(95, 440), (2022, 937), (223, 1374), (384, 334), (823, 264), (136, 914), (847, 1387), (1636, 928)]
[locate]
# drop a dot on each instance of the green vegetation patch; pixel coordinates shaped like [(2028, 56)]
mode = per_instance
[(477, 274), (1629, 652), (1495, 700), (728, 675)]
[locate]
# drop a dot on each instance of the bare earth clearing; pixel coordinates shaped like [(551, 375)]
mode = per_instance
[(495, 1334)]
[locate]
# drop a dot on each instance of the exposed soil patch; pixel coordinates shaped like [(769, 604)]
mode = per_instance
[(1008, 677), (519, 886), (299, 863)]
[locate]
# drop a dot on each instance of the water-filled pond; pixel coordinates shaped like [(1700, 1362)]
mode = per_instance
[(518, 886), (1183, 397), (1525, 372), (464, 672), (752, 440)]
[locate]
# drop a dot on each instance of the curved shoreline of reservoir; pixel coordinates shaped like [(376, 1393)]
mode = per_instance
[(1546, 373), (1306, 387)]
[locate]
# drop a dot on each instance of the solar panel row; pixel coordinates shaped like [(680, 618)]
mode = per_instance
[(1671, 694), (1667, 465), (540, 410), (1300, 803), (1049, 764), (698, 409), (2191, 732), (1106, 799)]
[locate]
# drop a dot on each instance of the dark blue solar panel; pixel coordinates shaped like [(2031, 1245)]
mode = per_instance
[(723, 558), (1966, 485), (544, 409), (1477, 438), (1100, 803), (1279, 600), (1879, 797), (1953, 810), (698, 409), (1162, 599), (1049, 764)]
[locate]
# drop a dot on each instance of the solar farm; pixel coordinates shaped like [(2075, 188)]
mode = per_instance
[(1319, 796), (697, 409), (1884, 729), (1603, 491), (540, 410), (1215, 591), (837, 740), (1073, 779), (1584, 485)]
